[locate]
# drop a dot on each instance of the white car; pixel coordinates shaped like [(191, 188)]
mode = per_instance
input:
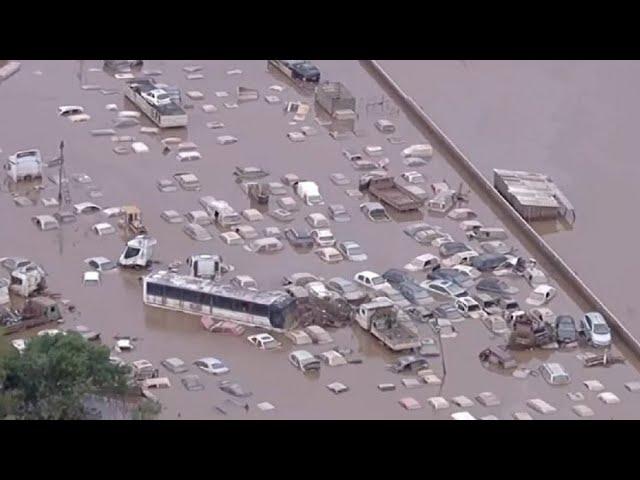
[(264, 341), (101, 229), (462, 214), (352, 251), (101, 264), (157, 97), (318, 290), (413, 177), (535, 277), (596, 329), (371, 280), (470, 271), (45, 222), (426, 263), (541, 294), (438, 242), (317, 220), (211, 365), (244, 281), (468, 307), (231, 238), (246, 231), (199, 217), (329, 255), (323, 237), (304, 361), (460, 258)]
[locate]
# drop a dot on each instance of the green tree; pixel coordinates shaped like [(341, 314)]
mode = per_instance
[(53, 375)]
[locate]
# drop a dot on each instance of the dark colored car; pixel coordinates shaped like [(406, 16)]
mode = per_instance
[(447, 311), (299, 237), (407, 286), (566, 331), (451, 248), (396, 277), (497, 286), (409, 362), (298, 69), (415, 293), (487, 262), (452, 275), (234, 389)]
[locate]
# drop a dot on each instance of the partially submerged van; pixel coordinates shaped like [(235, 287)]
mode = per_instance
[(25, 165)]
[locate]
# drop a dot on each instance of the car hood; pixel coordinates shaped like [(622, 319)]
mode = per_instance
[(601, 338)]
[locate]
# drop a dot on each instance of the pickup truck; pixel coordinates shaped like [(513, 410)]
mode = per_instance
[(381, 318), (388, 191)]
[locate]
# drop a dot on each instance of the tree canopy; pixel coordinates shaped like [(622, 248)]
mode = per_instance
[(50, 379)]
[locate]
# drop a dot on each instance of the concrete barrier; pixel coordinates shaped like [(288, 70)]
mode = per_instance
[(542, 249)]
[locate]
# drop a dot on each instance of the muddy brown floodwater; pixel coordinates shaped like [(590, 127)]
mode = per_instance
[(28, 114)]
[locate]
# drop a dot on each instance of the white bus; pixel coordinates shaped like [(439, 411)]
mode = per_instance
[(269, 310)]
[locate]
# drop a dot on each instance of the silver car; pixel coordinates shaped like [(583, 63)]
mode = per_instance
[(197, 232)]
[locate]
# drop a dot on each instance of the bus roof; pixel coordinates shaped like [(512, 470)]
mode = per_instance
[(166, 278)]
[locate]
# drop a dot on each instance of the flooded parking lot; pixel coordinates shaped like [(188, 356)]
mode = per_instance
[(29, 103)]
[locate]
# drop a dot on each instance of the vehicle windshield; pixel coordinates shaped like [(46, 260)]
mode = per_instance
[(354, 250), (131, 252), (314, 198), (600, 329), (474, 308), (377, 280), (164, 96), (270, 344)]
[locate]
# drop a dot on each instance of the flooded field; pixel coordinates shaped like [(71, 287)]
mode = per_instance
[(29, 102), (573, 120)]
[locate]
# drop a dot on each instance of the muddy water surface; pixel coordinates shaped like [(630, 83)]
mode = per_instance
[(29, 103)]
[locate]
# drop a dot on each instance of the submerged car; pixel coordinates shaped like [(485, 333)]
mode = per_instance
[(497, 286), (375, 212), (329, 255), (596, 330), (422, 233), (233, 388), (211, 365), (451, 248), (101, 264), (347, 289), (197, 232), (323, 237), (498, 356), (566, 331), (299, 237), (452, 275), (264, 245), (352, 251), (409, 363), (445, 288), (264, 341), (339, 213), (304, 361)]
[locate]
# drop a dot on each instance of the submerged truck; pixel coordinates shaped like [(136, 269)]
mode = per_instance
[(165, 114), (388, 191), (380, 317)]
